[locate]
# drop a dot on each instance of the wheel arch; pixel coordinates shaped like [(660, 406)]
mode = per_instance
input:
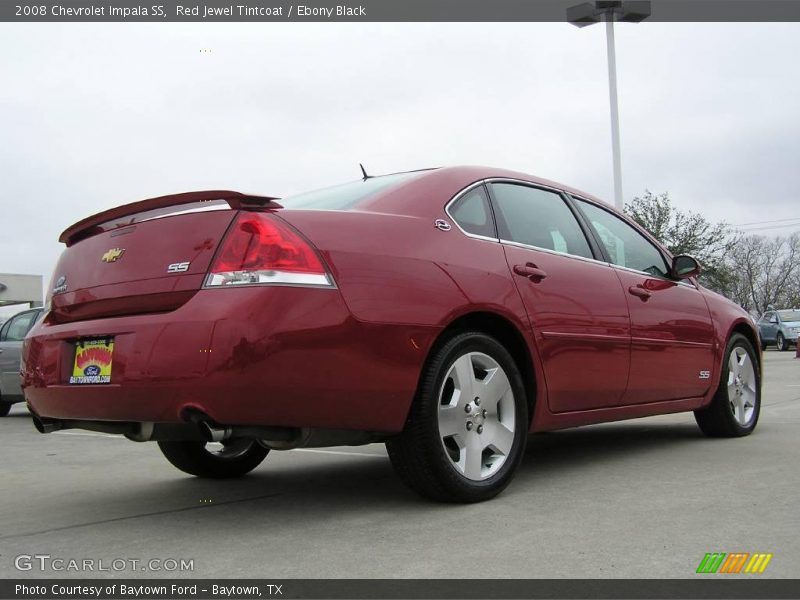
[(504, 331), (746, 329)]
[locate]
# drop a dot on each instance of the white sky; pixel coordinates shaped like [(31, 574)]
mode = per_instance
[(96, 115)]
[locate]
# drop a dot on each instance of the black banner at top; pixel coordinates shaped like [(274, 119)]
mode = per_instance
[(156, 11)]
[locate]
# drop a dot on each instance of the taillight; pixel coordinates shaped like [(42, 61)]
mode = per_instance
[(262, 250)]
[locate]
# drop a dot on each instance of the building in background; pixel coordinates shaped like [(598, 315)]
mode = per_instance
[(22, 290)]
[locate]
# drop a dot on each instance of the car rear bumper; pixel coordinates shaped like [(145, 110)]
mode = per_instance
[(277, 356)]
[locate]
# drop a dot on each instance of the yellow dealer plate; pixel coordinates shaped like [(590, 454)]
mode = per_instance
[(92, 362)]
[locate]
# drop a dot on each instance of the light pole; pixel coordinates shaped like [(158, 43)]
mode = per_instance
[(610, 11)]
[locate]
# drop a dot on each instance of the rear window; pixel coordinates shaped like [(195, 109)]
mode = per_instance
[(346, 195)]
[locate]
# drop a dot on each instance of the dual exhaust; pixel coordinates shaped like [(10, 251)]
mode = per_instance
[(199, 428)]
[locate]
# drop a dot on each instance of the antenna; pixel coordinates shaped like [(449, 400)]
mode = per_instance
[(364, 171)]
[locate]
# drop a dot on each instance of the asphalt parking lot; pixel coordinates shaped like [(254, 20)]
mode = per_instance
[(643, 498)]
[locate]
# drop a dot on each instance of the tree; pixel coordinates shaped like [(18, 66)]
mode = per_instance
[(767, 272), (686, 232)]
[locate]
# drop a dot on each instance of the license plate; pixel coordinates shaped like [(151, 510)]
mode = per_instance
[(92, 362)]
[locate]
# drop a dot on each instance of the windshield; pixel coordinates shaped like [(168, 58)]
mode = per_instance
[(346, 195), (789, 315)]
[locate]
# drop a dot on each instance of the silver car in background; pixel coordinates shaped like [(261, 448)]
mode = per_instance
[(12, 333), (779, 327)]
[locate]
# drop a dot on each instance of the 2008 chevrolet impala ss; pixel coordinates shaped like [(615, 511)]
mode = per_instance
[(446, 312)]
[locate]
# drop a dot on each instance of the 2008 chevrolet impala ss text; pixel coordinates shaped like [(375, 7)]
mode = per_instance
[(446, 312)]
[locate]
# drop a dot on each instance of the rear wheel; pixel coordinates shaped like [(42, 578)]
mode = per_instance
[(468, 425), (231, 458), (781, 342), (736, 405), (5, 408)]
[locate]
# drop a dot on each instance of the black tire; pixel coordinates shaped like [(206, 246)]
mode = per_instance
[(780, 343), (418, 454), (763, 346), (5, 408), (718, 418), (194, 458)]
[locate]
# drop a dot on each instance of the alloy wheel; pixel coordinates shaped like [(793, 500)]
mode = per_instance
[(741, 386), (476, 416)]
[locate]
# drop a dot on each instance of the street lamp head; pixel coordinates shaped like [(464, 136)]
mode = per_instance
[(626, 11), (582, 15), (634, 11)]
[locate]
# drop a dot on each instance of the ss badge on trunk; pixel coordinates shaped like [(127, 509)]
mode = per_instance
[(178, 267)]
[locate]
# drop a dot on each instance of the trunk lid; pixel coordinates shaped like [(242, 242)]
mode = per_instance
[(143, 257)]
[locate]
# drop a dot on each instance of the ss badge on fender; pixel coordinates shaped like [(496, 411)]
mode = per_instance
[(705, 374), (178, 267)]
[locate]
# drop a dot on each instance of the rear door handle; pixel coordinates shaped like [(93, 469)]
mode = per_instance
[(531, 271), (639, 292)]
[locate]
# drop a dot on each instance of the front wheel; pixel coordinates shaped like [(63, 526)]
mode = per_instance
[(5, 408), (466, 433), (231, 458), (781, 343), (736, 405)]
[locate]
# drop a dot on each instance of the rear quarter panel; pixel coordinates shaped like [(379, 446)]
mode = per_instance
[(402, 272)]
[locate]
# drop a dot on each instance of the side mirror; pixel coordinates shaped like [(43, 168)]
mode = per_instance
[(684, 266)]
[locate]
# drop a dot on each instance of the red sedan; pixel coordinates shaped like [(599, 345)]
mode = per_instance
[(446, 312)]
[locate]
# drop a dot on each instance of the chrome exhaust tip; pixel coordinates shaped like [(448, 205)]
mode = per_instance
[(214, 434)]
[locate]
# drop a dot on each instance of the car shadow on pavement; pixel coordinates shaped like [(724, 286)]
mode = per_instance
[(306, 485), (549, 453)]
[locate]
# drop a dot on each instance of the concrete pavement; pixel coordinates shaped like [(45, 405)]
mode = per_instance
[(643, 498)]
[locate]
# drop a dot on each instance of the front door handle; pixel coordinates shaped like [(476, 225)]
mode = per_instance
[(639, 292), (531, 271)]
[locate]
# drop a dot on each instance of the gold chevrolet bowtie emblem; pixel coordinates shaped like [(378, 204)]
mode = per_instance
[(113, 255)]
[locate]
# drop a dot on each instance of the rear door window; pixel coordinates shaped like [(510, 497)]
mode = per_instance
[(539, 218)]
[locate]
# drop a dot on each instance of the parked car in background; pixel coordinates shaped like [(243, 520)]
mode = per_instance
[(12, 332), (779, 327), (446, 312)]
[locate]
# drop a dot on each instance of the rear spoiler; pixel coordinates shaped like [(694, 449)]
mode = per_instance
[(154, 207)]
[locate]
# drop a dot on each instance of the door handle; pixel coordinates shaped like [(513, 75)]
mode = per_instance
[(639, 292), (531, 271)]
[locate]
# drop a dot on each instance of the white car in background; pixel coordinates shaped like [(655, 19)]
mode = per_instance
[(12, 332)]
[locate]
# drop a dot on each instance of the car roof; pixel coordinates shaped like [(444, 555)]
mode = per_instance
[(445, 182)]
